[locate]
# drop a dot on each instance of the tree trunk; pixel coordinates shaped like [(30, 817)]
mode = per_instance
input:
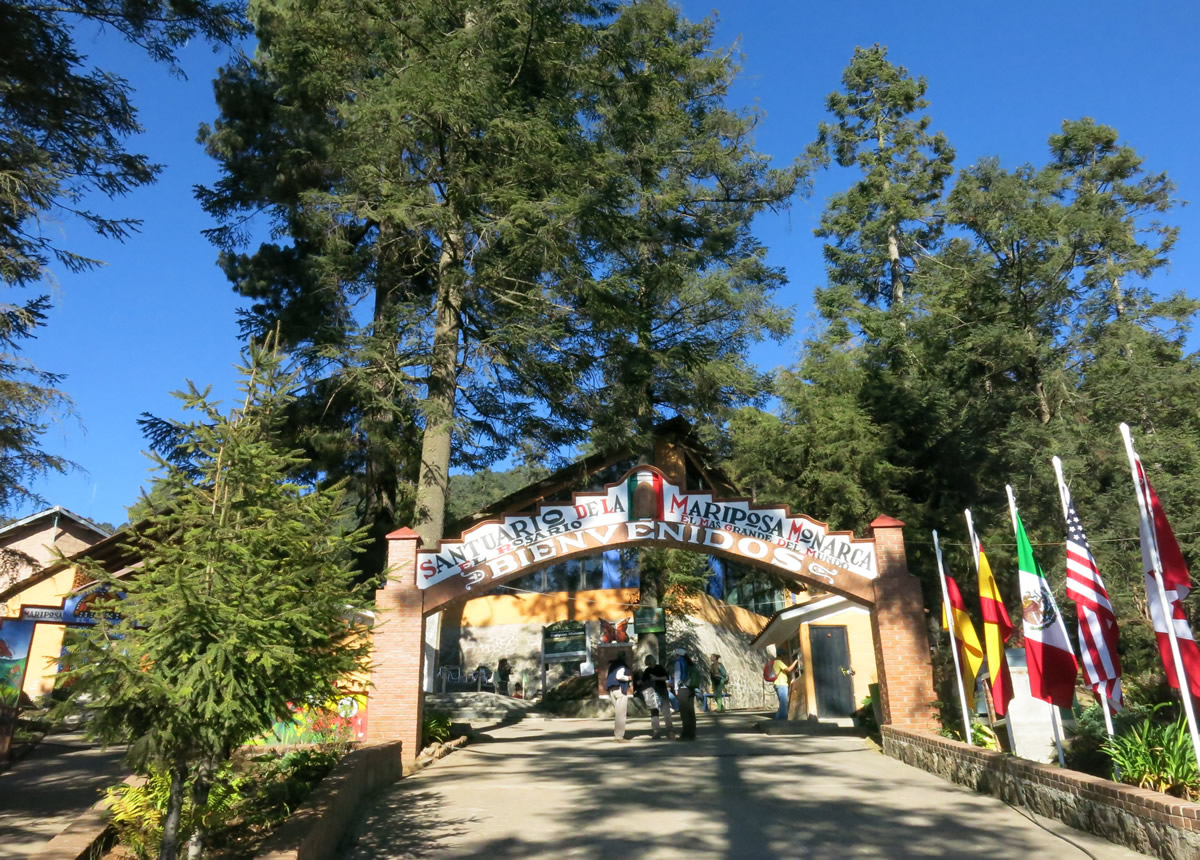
[(433, 478), (1044, 413), (894, 268), (381, 465), (169, 850), (648, 595), (201, 788)]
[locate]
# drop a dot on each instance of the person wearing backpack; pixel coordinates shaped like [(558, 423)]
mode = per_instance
[(718, 677), (776, 672), (618, 689)]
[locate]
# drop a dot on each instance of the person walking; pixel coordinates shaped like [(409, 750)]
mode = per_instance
[(676, 670), (618, 691), (718, 677), (781, 671), (686, 693), (503, 672), (654, 694)]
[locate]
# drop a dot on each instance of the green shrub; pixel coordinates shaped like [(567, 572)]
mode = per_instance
[(983, 736), (1157, 756), (1084, 747), (435, 728), (246, 803)]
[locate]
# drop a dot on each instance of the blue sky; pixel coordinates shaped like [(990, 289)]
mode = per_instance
[(1002, 77)]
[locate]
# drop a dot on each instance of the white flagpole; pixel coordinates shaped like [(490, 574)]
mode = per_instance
[(1054, 717), (1185, 690), (975, 549), (1063, 496), (949, 610), (1012, 512)]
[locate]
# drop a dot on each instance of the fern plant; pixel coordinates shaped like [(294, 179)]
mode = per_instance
[(435, 728), (137, 811)]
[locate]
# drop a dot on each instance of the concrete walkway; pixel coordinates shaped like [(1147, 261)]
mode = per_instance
[(45, 791), (564, 788)]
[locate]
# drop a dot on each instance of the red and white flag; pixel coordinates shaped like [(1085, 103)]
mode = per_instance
[(1097, 623), (1159, 541)]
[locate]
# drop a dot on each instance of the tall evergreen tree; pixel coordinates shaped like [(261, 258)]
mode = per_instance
[(886, 222), (1029, 329), (243, 605), (528, 196), (682, 285), (63, 132)]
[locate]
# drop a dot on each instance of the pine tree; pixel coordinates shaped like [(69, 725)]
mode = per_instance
[(523, 195), (887, 222), (64, 128), (684, 288), (243, 605)]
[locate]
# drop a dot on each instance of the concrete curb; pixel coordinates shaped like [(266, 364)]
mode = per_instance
[(88, 836)]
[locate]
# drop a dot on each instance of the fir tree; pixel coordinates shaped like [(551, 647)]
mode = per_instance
[(887, 222), (64, 127), (242, 608), (523, 196)]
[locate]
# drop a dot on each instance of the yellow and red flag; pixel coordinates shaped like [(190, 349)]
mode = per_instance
[(970, 652), (997, 630)]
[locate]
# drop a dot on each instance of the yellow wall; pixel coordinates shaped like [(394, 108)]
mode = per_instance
[(862, 655), (47, 638), (607, 604), (524, 608)]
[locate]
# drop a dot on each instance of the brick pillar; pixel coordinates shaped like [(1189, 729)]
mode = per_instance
[(397, 698), (901, 634)]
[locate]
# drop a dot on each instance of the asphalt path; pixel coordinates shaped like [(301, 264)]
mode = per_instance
[(564, 788), (46, 790)]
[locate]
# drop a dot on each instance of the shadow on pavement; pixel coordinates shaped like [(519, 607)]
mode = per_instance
[(569, 792)]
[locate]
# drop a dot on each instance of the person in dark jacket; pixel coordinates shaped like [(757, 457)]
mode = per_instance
[(619, 679), (654, 694), (685, 691)]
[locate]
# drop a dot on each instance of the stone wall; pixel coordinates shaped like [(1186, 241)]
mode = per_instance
[(1147, 821)]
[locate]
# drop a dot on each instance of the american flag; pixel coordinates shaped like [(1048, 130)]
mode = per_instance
[(1097, 623)]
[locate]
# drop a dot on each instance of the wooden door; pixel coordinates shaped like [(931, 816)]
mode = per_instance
[(832, 682)]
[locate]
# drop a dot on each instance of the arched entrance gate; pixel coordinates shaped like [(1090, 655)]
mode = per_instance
[(647, 508)]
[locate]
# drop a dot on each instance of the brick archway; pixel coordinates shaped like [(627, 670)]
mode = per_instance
[(646, 509)]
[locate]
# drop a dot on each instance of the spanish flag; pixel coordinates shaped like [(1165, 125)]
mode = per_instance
[(996, 631), (970, 652)]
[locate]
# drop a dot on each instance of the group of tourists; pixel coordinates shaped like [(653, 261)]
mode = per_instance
[(663, 689)]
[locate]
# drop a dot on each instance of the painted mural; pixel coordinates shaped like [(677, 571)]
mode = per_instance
[(339, 721), (15, 639)]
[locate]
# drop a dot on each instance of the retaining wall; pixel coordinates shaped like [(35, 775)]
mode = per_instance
[(315, 829), (1144, 820)]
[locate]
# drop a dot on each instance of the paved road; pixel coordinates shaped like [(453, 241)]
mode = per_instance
[(563, 788), (45, 791)]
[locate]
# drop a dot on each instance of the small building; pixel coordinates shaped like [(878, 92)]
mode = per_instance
[(832, 639), (31, 575), (741, 610)]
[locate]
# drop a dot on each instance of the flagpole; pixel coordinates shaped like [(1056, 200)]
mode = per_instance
[(1012, 512), (1012, 739), (1054, 718), (949, 611), (1063, 497), (1185, 689)]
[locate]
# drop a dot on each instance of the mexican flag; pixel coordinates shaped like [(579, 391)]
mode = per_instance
[(651, 486), (1048, 653)]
